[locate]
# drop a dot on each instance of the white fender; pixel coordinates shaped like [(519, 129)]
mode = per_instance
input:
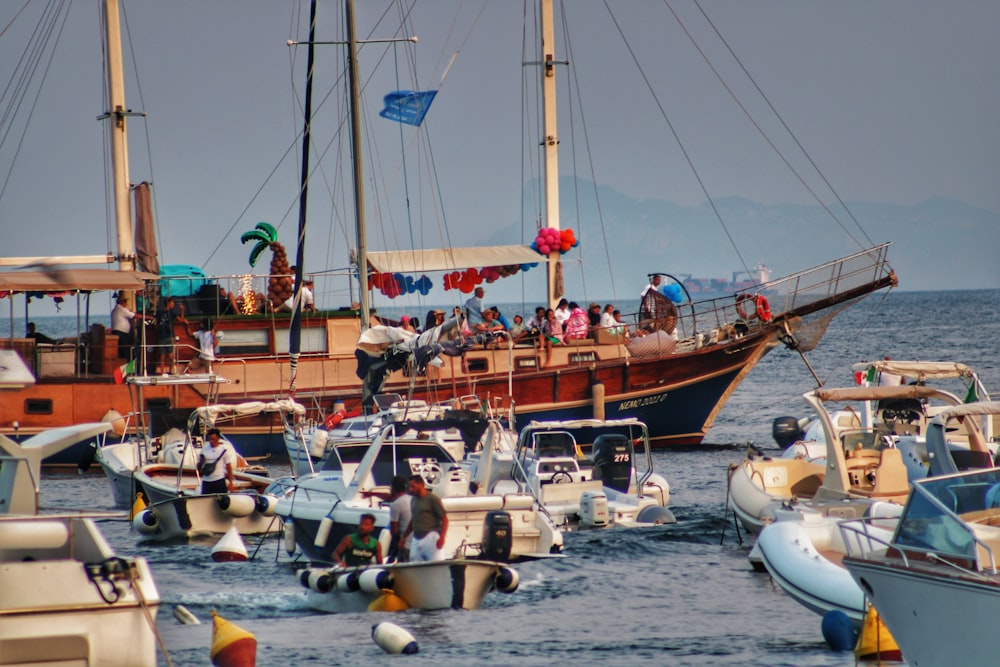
[(317, 579), (265, 504), (183, 615), (373, 580), (317, 447), (289, 537), (507, 580), (238, 504), (393, 639), (323, 532), (347, 582), (36, 534), (145, 522)]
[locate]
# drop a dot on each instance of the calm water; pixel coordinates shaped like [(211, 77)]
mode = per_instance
[(672, 595)]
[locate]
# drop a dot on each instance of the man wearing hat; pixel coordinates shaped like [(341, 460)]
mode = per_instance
[(593, 318)]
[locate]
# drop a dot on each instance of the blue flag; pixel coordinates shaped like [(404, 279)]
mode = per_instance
[(407, 106)]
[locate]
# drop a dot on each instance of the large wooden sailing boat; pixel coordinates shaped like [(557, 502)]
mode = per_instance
[(676, 378)]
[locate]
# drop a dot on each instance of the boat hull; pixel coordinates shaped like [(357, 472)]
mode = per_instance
[(936, 617), (451, 584), (52, 612)]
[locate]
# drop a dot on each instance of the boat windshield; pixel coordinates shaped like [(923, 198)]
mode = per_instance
[(937, 514)]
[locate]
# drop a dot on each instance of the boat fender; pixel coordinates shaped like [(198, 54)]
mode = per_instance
[(87, 457), (317, 580), (656, 515), (507, 580), (393, 639), (184, 615), (118, 423), (237, 504), (838, 631), (323, 532), (348, 583), (145, 522), (265, 504), (289, 537), (373, 580), (317, 446)]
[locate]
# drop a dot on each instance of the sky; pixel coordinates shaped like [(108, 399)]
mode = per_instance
[(894, 100)]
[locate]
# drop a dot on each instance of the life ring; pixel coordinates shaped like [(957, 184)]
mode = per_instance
[(741, 306), (335, 419), (763, 308)]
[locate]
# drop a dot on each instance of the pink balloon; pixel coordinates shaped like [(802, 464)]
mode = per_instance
[(544, 249)]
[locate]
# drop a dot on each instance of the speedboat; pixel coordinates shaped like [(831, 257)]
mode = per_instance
[(68, 598), (604, 489), (320, 508), (935, 581), (803, 549), (862, 463), (172, 491), (446, 584)]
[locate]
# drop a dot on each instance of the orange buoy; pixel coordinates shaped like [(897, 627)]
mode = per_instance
[(232, 646), (388, 601)]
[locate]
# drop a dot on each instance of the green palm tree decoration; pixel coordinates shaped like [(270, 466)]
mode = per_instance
[(279, 288)]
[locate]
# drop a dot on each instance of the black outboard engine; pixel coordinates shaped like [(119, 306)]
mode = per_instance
[(785, 431), (498, 536), (613, 461)]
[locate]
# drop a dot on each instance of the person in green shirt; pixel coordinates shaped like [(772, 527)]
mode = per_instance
[(359, 548)]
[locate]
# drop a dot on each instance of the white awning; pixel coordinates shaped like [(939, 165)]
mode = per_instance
[(452, 259), (68, 280)]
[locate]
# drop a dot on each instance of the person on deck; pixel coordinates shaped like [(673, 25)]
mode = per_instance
[(38, 336), (308, 302), (428, 523), (474, 308), (608, 321), (217, 464), (122, 325), (360, 548), (576, 325), (562, 311), (166, 316), (399, 519), (205, 337)]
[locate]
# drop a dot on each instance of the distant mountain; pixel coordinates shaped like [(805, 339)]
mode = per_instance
[(938, 244)]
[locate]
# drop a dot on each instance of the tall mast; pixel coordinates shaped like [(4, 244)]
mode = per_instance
[(117, 113), (295, 326), (551, 142), (359, 202)]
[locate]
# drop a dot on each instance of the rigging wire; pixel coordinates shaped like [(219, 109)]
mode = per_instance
[(677, 139), (781, 120)]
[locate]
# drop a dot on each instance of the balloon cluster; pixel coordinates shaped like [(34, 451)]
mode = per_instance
[(466, 281), (673, 292), (550, 239), (396, 284)]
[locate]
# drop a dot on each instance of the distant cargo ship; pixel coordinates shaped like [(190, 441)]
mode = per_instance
[(708, 288)]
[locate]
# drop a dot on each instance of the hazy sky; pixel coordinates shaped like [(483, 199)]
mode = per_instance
[(896, 101)]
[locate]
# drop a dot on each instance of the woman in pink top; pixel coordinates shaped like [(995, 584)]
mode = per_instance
[(577, 324)]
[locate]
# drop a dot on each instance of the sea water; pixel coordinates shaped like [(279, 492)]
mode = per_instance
[(682, 594)]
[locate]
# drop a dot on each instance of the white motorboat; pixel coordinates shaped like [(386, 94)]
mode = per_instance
[(309, 443), (803, 548), (67, 598), (935, 582), (172, 491), (862, 463), (319, 509), (446, 584), (604, 489)]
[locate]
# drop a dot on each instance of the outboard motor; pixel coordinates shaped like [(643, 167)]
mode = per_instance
[(498, 536), (594, 510), (786, 430), (613, 461)]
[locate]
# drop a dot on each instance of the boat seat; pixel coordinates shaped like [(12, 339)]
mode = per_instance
[(890, 476)]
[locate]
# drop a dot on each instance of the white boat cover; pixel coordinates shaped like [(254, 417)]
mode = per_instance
[(66, 280), (876, 393), (210, 413), (917, 370), (452, 259)]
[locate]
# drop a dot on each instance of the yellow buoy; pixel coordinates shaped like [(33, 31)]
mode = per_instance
[(232, 646), (388, 601), (875, 641), (138, 506)]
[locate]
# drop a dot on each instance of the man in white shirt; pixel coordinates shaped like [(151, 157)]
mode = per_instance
[(307, 299), (562, 311), (474, 308)]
